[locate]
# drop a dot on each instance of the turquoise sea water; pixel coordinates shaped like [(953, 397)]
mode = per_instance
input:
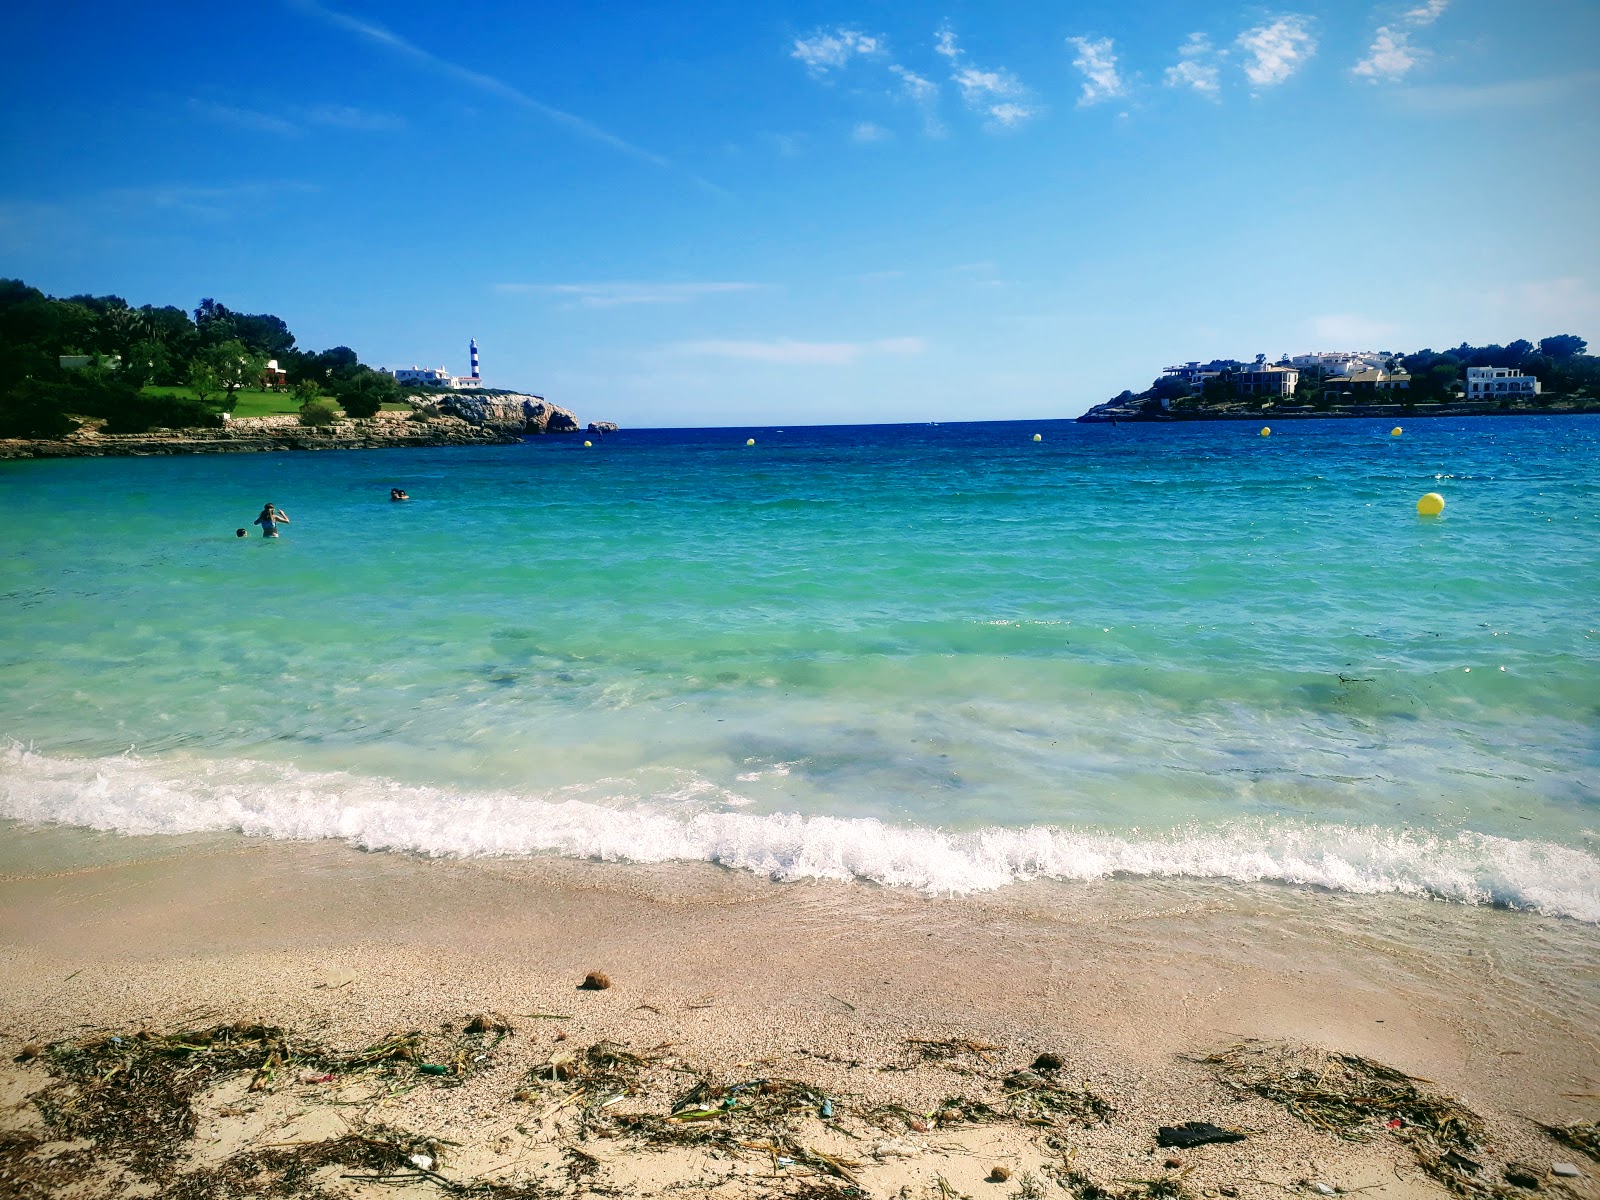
[(938, 656)]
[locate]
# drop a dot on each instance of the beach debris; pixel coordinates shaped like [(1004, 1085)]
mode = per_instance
[(1039, 1101), (949, 1051), (1195, 1133), (1356, 1098), (1523, 1176), (422, 1162), (595, 981), (1565, 1170), (1172, 1164), (1583, 1136), (489, 1023), (29, 1052), (998, 1174), (1323, 1189), (1228, 1190), (1046, 1062)]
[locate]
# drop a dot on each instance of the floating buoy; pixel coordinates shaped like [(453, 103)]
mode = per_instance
[(1395, 432), (1266, 431), (749, 441), (1430, 505), (588, 443), (1038, 437)]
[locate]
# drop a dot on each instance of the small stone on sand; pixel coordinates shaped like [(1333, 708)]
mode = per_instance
[(595, 981)]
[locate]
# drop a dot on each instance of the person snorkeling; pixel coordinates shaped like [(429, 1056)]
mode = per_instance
[(270, 519)]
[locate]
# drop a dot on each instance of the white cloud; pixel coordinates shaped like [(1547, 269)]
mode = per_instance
[(1099, 66), (867, 132), (982, 90), (1390, 56), (1009, 115), (1192, 71), (1277, 50), (823, 52), (786, 352), (613, 295), (1430, 12), (923, 91)]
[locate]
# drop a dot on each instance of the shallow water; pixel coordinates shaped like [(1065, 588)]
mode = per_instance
[(939, 656)]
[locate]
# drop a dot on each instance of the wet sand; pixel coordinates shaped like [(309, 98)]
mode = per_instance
[(859, 991)]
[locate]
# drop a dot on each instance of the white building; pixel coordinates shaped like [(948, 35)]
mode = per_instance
[(1191, 373), (1499, 383), (1342, 362), (427, 376), (1262, 378)]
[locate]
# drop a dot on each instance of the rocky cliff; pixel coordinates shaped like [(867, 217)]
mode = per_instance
[(503, 412)]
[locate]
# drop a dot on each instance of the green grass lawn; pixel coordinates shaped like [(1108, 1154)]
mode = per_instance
[(254, 403)]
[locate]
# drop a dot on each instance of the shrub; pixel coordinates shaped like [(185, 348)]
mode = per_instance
[(319, 412), (33, 410), (136, 412)]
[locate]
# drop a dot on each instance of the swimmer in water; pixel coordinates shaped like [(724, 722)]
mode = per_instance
[(270, 519), (238, 533), (398, 494)]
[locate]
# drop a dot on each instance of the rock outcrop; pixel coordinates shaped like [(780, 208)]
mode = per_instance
[(602, 427), (256, 434), (503, 412)]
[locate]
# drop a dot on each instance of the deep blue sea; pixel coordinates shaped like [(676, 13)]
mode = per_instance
[(945, 657)]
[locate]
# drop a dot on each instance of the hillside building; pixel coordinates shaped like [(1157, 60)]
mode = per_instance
[(1499, 383), (1262, 378), (1367, 381)]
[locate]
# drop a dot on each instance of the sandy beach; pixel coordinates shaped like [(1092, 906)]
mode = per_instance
[(880, 1033)]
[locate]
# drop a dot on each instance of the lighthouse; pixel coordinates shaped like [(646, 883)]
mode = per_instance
[(472, 344)]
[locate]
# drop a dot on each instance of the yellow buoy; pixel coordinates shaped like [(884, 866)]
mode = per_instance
[(1431, 505), (588, 443), (1038, 437), (749, 441), (1395, 432), (1266, 431)]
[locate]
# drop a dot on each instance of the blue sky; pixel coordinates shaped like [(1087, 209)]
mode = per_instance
[(820, 212)]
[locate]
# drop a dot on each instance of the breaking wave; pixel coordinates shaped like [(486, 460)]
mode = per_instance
[(132, 795)]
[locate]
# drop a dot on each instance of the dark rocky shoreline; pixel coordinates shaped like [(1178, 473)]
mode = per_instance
[(443, 421)]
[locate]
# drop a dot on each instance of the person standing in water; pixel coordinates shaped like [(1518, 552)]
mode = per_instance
[(270, 519)]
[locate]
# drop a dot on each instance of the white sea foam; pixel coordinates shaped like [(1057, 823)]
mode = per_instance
[(133, 795)]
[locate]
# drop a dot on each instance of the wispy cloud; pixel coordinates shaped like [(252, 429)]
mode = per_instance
[(1098, 62), (295, 121), (785, 352), (1195, 69), (614, 295), (1447, 99), (343, 116), (867, 132), (1391, 55), (825, 51), (243, 118), (1428, 13), (1277, 50), (998, 94), (924, 93), (380, 36)]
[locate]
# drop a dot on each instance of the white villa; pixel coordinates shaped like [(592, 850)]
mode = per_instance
[(1499, 382)]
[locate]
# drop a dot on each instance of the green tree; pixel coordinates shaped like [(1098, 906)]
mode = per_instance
[(365, 392), (1562, 346), (319, 411), (224, 368), (306, 391)]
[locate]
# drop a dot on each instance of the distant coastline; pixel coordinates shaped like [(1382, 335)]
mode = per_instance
[(1134, 410)]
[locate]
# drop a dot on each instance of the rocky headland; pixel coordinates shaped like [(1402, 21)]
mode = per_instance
[(451, 420), (1148, 409)]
